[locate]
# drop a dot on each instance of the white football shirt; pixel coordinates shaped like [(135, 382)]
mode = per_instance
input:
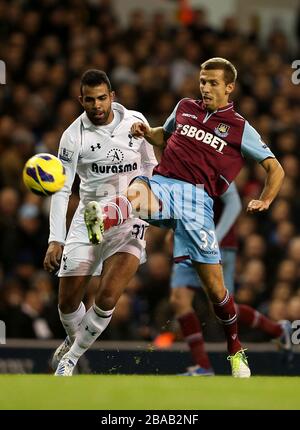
[(106, 159)]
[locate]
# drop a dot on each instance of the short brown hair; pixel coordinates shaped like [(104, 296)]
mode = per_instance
[(94, 77), (218, 63)]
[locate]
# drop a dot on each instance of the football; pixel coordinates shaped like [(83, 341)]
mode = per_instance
[(44, 174)]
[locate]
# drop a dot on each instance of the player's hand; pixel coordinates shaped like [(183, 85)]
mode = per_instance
[(140, 129), (257, 206), (53, 256)]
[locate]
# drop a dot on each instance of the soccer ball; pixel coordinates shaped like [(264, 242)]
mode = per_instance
[(44, 174)]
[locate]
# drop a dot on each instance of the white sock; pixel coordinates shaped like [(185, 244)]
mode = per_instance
[(93, 324), (71, 322)]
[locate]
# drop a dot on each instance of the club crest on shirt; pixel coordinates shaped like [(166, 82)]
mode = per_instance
[(222, 130), (115, 155)]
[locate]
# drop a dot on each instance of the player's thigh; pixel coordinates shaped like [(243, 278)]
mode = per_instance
[(198, 245), (118, 270), (195, 232), (142, 199), (71, 292), (202, 248), (122, 251), (80, 259)]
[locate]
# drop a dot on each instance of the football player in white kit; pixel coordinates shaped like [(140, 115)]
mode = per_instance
[(98, 146)]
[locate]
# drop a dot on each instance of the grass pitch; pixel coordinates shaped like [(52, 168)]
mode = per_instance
[(109, 392)]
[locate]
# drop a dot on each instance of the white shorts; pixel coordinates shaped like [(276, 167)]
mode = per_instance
[(80, 258)]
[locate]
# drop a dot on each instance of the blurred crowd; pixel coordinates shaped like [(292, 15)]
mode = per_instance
[(153, 62)]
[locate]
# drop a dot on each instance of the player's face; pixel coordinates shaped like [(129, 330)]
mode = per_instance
[(214, 90), (97, 101)]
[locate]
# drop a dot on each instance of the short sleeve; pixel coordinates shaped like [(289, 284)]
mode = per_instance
[(170, 123), (253, 146)]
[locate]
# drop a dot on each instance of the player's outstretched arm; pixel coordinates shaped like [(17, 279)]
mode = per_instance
[(155, 136), (275, 176)]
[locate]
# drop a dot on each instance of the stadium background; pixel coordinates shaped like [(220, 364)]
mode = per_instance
[(152, 54)]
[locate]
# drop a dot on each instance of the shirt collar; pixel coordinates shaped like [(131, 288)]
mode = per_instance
[(227, 107), (221, 109)]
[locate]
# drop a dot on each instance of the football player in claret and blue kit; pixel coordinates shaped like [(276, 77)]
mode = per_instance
[(205, 144)]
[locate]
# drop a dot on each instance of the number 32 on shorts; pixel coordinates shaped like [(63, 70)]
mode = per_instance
[(208, 239)]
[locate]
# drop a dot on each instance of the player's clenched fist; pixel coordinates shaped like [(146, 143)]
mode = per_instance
[(53, 256), (140, 129)]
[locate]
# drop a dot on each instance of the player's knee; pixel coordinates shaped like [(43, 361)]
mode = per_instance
[(142, 200), (216, 291), (71, 292), (68, 300), (67, 306), (213, 282), (106, 303), (106, 300)]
